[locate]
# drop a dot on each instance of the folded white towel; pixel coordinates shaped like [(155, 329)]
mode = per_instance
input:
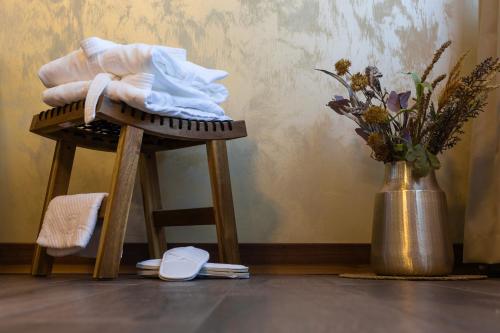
[(85, 63), (134, 90), (69, 223), (69, 68), (66, 93), (122, 60)]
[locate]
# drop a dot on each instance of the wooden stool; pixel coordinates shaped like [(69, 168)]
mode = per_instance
[(136, 136)]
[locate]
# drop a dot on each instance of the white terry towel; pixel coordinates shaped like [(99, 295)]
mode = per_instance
[(66, 93), (84, 63), (135, 90), (171, 70), (175, 86), (69, 223)]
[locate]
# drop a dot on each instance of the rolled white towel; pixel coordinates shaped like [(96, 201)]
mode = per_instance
[(135, 90), (66, 93)]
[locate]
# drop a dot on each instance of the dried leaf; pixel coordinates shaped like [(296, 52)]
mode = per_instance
[(393, 102), (434, 161), (406, 135), (396, 101), (362, 133), (352, 96), (339, 105), (403, 99)]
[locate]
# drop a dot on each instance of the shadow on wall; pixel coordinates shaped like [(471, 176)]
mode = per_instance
[(256, 214), (185, 183), (322, 193), (3, 134), (453, 180), (23, 178)]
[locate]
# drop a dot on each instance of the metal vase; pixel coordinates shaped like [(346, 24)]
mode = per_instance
[(410, 233)]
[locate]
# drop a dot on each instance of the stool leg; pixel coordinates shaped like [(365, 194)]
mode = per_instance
[(118, 203), (60, 173), (151, 198), (223, 201)]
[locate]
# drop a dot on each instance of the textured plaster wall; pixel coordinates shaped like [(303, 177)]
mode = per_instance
[(301, 175)]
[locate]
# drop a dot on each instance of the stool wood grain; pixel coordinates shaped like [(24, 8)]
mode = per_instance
[(118, 203), (151, 198), (222, 198), (59, 177)]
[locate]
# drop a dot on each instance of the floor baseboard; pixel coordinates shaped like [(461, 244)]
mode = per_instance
[(265, 258)]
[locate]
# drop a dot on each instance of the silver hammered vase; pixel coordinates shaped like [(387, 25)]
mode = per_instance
[(410, 234)]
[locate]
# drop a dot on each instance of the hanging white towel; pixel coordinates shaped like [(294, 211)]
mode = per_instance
[(69, 223)]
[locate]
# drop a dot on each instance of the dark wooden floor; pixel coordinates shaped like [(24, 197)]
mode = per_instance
[(265, 303)]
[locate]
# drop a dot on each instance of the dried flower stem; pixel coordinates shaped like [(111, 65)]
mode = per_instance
[(435, 59)]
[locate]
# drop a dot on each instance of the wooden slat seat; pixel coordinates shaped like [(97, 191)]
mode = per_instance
[(136, 136), (160, 132)]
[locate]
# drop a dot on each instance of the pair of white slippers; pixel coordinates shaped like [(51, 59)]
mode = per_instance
[(185, 263)]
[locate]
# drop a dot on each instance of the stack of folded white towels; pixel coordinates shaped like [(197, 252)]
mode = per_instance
[(151, 78)]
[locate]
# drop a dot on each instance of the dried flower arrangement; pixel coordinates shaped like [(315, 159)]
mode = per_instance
[(416, 133)]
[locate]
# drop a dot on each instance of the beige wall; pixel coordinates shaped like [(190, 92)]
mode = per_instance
[(302, 175)]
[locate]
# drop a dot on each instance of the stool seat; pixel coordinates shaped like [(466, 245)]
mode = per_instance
[(137, 136), (160, 132)]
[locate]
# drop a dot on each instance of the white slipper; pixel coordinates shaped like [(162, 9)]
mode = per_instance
[(224, 275), (182, 263), (229, 268), (148, 273), (228, 271), (150, 264)]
